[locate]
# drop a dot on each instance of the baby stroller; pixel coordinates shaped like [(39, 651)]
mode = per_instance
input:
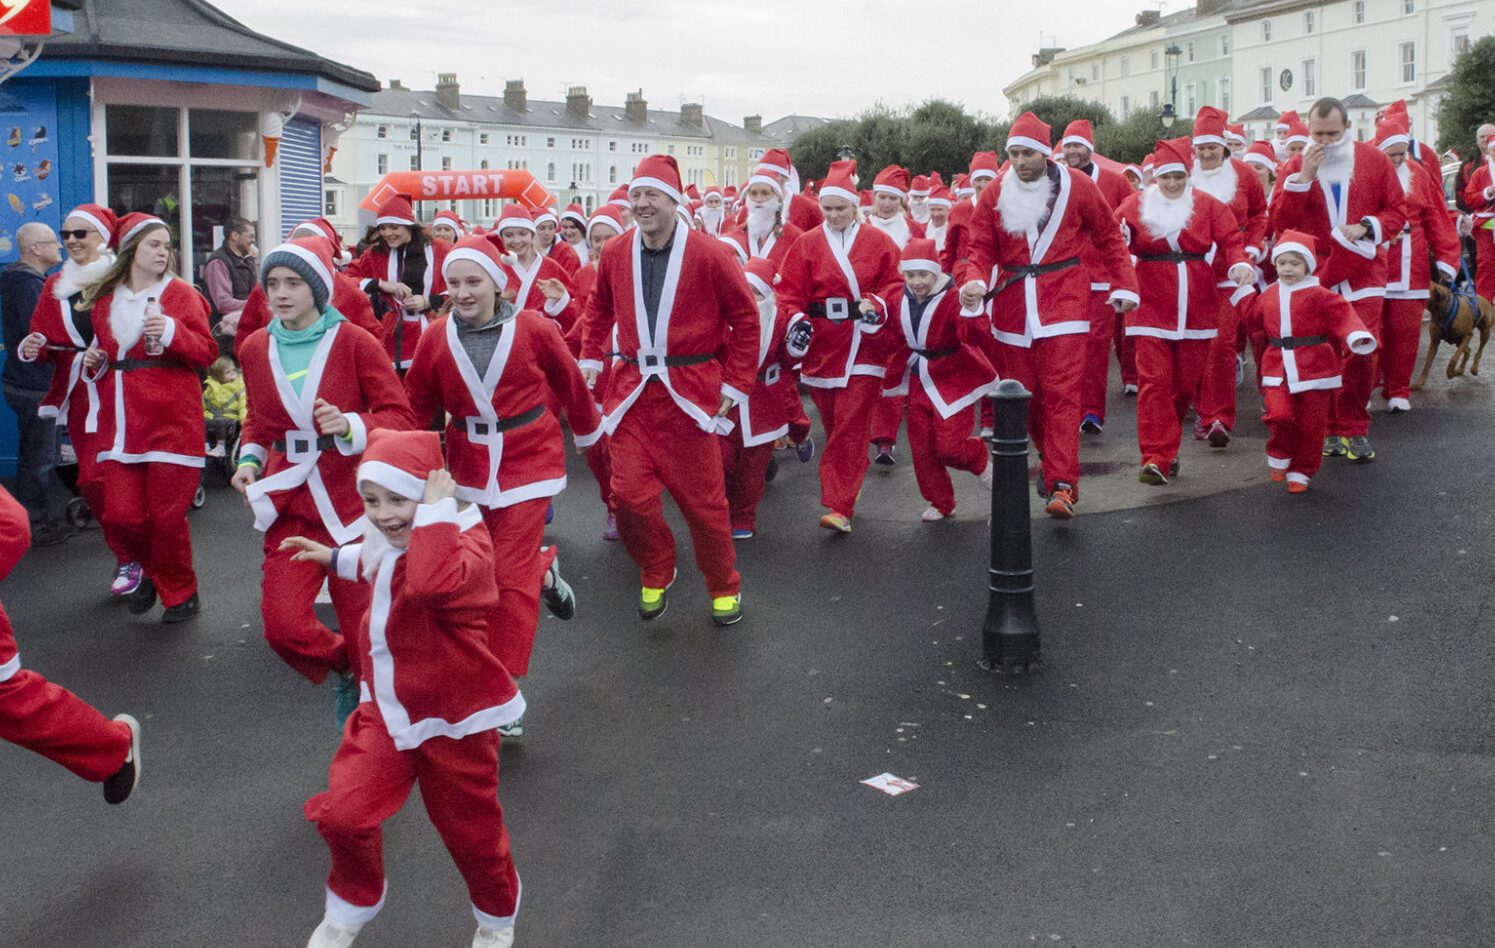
[(222, 455)]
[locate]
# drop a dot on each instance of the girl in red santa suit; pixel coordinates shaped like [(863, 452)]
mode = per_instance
[(550, 246), (1171, 228), (401, 273), (543, 285), (573, 230), (447, 226), (1428, 239), (47, 718), (62, 333), (317, 385), (938, 365), (433, 694), (1311, 333), (837, 282), (152, 340), (758, 420), (494, 369), (940, 202)]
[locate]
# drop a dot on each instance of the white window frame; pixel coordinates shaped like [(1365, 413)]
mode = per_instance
[(1406, 70), (1364, 69), (1310, 77), (381, 131), (1268, 86), (1266, 31), (1308, 22), (1357, 12), (1224, 44), (1223, 94)]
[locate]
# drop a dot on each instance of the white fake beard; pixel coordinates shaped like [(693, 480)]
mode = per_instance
[(711, 220), (75, 277), (1404, 175), (1163, 216), (1219, 183), (1339, 160), (760, 219), (1022, 204), (918, 208), (895, 227)]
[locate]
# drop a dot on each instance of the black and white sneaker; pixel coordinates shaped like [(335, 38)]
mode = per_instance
[(122, 782), (143, 599), (559, 597)]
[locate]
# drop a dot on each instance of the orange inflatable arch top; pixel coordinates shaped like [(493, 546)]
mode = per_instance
[(513, 184)]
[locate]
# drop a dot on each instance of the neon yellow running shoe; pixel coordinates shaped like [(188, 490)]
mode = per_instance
[(726, 610)]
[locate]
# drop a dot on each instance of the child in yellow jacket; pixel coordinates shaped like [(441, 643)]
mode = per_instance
[(224, 406)]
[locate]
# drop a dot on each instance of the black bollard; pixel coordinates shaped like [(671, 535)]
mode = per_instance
[(1009, 637)]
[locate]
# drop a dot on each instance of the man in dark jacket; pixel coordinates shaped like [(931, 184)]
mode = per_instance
[(26, 384), (229, 274)]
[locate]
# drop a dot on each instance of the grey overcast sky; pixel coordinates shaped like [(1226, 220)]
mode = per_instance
[(773, 57)]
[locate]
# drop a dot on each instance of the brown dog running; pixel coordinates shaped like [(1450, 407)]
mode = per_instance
[(1465, 322)]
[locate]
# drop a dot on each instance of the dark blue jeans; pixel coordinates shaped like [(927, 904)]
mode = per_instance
[(37, 486)]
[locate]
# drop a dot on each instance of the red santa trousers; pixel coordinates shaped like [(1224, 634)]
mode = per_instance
[(744, 470), (846, 415), (288, 593), (147, 505), (1098, 356), (520, 567), (54, 722), (799, 422), (1296, 425), (657, 447), (367, 784), (602, 470), (1126, 349), (1484, 262), (1401, 332), (91, 486), (1168, 374), (887, 418), (1052, 370), (938, 444), (1217, 390), (1348, 415)]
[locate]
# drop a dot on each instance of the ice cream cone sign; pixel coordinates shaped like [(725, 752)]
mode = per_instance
[(271, 127)]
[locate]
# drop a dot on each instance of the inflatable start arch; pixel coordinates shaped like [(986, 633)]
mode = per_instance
[(513, 184)]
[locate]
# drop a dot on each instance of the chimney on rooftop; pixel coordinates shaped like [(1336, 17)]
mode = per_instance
[(514, 95), (578, 103), (395, 84), (691, 113), (1149, 17), (753, 124), (636, 108), (448, 93)]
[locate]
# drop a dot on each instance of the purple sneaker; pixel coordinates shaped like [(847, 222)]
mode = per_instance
[(805, 450), (611, 531), (127, 579)]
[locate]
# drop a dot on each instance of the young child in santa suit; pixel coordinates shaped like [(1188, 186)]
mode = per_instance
[(542, 284), (146, 362), (317, 385), (549, 245), (448, 226), (432, 693), (401, 273), (1310, 332), (839, 281), (939, 367), (347, 297), (49, 719), (758, 420), (493, 369)]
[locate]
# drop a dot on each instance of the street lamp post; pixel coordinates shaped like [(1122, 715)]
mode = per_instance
[(1171, 55), (419, 148)]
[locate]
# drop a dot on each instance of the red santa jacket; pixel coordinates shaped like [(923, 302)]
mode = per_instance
[(760, 418), (1370, 193), (1309, 332), (704, 344), (15, 539), (528, 294), (1032, 305), (1113, 187), (347, 298), (804, 213), (822, 280), (424, 659), (68, 332), (1236, 184), (1176, 269), (503, 444), (401, 329), (1479, 193), (939, 351), (774, 248), (1429, 237), (901, 227), (156, 408), (563, 254), (955, 255), (349, 369)]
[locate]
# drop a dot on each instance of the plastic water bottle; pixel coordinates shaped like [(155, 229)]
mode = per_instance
[(153, 345)]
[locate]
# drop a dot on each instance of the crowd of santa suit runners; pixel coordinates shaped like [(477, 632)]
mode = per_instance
[(410, 405)]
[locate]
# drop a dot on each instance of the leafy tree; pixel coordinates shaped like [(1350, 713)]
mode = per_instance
[(1130, 142), (1470, 100), (1057, 111)]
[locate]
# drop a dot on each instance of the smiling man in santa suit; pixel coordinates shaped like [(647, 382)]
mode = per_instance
[(1033, 226), (1231, 181), (1106, 332), (1346, 196), (687, 349)]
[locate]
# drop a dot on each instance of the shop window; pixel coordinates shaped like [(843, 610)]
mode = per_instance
[(143, 131), (217, 134)]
